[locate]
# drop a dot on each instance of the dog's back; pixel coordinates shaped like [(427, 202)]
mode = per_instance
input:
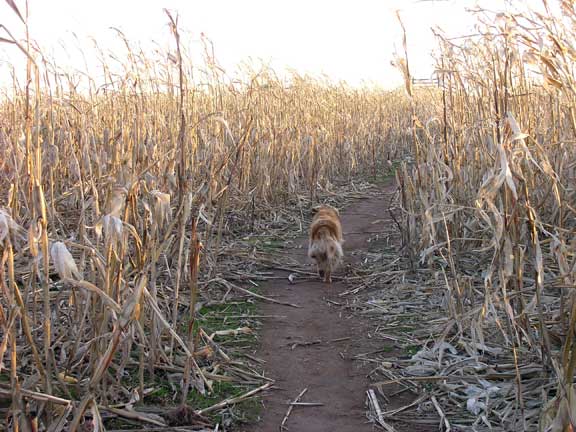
[(326, 223)]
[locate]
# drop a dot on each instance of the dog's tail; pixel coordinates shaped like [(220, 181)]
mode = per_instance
[(326, 249)]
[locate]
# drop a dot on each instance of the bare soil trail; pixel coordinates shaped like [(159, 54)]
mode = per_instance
[(314, 346)]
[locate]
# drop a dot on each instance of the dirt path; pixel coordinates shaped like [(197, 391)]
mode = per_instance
[(313, 347)]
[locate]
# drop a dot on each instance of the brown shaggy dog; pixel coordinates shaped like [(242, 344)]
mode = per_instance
[(326, 240)]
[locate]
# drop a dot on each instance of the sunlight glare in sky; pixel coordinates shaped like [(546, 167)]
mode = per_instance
[(347, 40)]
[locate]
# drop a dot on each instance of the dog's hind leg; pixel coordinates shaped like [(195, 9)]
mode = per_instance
[(328, 275), (321, 272)]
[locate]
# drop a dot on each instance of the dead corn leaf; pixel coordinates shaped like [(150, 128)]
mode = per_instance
[(558, 414), (64, 262)]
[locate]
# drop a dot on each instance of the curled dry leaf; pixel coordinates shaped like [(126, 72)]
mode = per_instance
[(7, 225), (67, 378), (505, 171), (64, 262), (475, 406), (232, 332), (112, 227), (4, 225), (116, 201), (517, 134), (420, 370), (34, 234), (559, 413), (162, 211), (205, 352), (132, 307)]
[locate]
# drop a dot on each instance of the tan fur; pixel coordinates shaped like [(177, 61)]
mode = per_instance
[(326, 241)]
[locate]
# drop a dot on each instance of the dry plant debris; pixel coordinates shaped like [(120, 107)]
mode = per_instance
[(133, 208), (135, 218)]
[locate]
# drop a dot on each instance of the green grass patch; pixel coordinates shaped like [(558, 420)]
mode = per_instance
[(226, 316), (412, 349), (216, 317), (266, 243), (384, 174), (387, 349), (229, 316)]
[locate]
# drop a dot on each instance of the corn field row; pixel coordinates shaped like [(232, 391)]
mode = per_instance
[(108, 187), (118, 197), (489, 199)]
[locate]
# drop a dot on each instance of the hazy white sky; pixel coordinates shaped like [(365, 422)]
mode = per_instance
[(347, 40)]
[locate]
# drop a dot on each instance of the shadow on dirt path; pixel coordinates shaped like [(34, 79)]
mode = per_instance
[(314, 346)]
